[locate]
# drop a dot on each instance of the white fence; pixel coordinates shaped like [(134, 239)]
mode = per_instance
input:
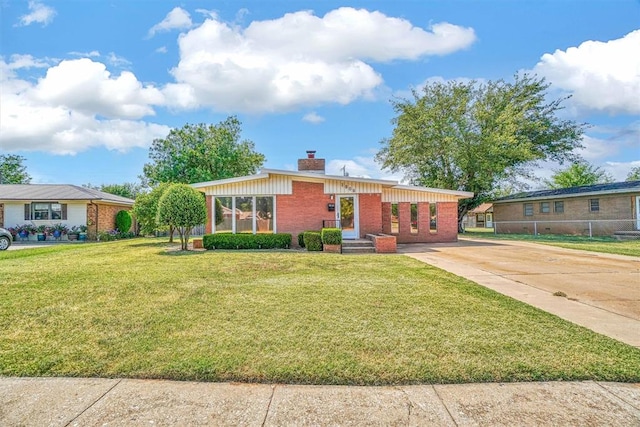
[(575, 227)]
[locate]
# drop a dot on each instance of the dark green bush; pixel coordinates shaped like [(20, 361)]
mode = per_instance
[(246, 241), (331, 236), (312, 240), (123, 221), (301, 237)]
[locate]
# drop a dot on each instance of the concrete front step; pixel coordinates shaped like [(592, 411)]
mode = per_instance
[(359, 246)]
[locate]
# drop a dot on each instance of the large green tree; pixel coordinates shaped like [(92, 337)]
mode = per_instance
[(198, 153), (577, 174), (182, 207), (145, 209), (477, 137), (12, 171), (127, 189)]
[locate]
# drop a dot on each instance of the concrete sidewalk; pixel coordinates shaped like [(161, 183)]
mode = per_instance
[(115, 402)]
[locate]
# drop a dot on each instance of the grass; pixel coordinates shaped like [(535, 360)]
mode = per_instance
[(133, 309), (594, 244)]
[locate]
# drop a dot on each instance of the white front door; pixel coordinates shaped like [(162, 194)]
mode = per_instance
[(489, 221), (347, 215), (637, 212)]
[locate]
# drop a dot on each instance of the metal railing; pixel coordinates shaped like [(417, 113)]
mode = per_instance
[(331, 223), (590, 228)]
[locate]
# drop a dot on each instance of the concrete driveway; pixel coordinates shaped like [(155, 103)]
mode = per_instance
[(609, 285)]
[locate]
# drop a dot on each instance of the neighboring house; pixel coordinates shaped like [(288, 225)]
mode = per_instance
[(480, 217), (600, 209), (48, 204), (279, 201)]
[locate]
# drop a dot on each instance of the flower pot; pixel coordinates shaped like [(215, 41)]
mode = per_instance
[(23, 234), (57, 234), (41, 237), (82, 237), (72, 236)]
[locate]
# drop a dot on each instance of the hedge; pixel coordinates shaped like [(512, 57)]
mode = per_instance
[(312, 240), (246, 241), (331, 236), (301, 237)]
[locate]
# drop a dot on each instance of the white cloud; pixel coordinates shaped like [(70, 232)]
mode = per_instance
[(92, 54), (26, 61), (620, 170), (602, 76), (301, 59), (38, 12), (117, 61), (75, 106), (313, 117), (162, 49), (361, 167), (177, 19)]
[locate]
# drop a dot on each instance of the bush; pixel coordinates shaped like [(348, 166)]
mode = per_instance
[(123, 221), (313, 240), (182, 207), (108, 236), (331, 236), (246, 241), (301, 237)]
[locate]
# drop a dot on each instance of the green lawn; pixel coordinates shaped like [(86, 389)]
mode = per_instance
[(595, 244), (133, 309)]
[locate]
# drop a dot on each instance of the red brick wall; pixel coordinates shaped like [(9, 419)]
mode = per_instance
[(447, 229), (1, 215), (105, 219), (303, 210), (208, 228), (370, 213)]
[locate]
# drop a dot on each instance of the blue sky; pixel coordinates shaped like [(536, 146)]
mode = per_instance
[(85, 86)]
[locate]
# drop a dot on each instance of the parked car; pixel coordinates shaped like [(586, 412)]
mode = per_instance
[(5, 239)]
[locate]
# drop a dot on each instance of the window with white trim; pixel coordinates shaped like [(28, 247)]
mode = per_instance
[(244, 214)]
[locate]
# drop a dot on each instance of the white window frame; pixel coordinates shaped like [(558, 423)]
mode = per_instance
[(254, 225)]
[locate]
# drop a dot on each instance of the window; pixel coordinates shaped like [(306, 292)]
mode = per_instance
[(594, 205), (528, 209), (414, 218), (558, 207), (433, 217), (45, 211), (545, 207), (246, 214), (394, 218)]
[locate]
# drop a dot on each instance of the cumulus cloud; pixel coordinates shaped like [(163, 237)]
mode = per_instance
[(602, 76), (313, 117), (300, 59), (177, 19), (75, 106), (162, 49), (38, 13)]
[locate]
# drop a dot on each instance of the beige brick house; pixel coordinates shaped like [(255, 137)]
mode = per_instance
[(601, 209), (48, 204)]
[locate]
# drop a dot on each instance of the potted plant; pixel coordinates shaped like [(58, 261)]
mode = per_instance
[(41, 232), (82, 233), (24, 230), (73, 233), (58, 230)]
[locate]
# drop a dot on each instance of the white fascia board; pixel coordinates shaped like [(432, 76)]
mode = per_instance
[(260, 175), (460, 194)]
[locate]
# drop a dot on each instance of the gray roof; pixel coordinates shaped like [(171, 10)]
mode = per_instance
[(51, 192), (597, 189)]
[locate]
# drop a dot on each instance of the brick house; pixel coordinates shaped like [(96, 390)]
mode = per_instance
[(48, 204), (601, 209), (279, 201)]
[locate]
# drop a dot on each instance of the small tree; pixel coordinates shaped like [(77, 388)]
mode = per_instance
[(578, 174), (12, 171), (182, 207), (634, 174), (123, 221)]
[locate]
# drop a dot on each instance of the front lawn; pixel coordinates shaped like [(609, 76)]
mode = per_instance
[(593, 244), (133, 309)]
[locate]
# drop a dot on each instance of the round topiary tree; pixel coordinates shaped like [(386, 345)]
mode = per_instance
[(182, 207), (123, 221)]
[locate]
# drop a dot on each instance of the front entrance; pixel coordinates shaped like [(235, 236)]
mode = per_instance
[(347, 215), (489, 223)]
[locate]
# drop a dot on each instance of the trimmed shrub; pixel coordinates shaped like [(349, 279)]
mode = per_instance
[(246, 241), (331, 236), (301, 238), (313, 240), (123, 221), (182, 207)]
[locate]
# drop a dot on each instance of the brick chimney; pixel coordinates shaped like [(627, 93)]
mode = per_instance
[(311, 164)]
